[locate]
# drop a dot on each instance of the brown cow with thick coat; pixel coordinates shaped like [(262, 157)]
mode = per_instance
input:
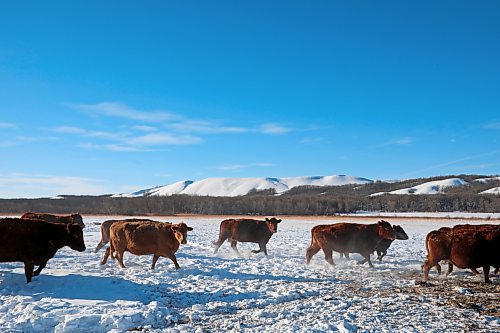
[(73, 218), (107, 224), (348, 238), (442, 244), (34, 242), (247, 230), (141, 238), (384, 244)]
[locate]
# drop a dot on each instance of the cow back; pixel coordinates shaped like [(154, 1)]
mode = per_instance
[(35, 240), (143, 237), (249, 230), (475, 248)]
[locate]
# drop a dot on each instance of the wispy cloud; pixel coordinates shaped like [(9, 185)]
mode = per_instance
[(115, 109), (311, 140), (453, 162), (24, 185), (396, 142), (163, 139), (197, 126), (234, 167), (144, 128), (8, 125), (274, 129), (492, 125), (111, 147), (69, 130)]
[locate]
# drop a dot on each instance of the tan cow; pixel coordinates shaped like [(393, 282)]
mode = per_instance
[(107, 224), (141, 238)]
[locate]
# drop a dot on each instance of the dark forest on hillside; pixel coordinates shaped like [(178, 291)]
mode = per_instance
[(305, 200)]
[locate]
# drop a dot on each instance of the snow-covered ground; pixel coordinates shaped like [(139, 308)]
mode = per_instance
[(252, 293)]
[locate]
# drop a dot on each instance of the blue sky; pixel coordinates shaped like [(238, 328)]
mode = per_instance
[(105, 97)]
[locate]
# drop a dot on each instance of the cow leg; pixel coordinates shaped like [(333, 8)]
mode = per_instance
[(172, 257), (119, 258), (219, 242), (99, 246), (329, 256), (474, 271), (28, 271), (486, 271), (311, 250), (106, 255), (381, 254), (428, 264), (367, 259), (449, 270), (262, 248), (233, 246), (155, 259), (39, 269), (345, 254)]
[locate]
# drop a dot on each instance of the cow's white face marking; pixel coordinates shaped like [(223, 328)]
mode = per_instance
[(179, 236)]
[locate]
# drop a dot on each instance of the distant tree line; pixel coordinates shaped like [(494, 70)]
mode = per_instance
[(305, 200)]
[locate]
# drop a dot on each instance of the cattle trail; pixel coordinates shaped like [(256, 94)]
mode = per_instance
[(247, 293)]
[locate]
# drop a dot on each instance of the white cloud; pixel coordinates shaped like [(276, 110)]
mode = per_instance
[(32, 186), (190, 126), (8, 125), (493, 125), (234, 167), (397, 142), (69, 130), (156, 139), (144, 128), (274, 129), (121, 110)]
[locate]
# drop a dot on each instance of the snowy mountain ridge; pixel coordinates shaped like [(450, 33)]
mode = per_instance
[(232, 187)]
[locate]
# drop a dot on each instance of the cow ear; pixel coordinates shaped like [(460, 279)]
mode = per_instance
[(278, 221), (190, 229), (267, 220)]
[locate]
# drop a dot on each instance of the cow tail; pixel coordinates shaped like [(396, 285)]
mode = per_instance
[(220, 234), (313, 239)]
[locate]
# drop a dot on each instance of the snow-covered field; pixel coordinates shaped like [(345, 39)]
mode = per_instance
[(252, 293)]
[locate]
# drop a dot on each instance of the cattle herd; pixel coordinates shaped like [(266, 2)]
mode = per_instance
[(35, 238)]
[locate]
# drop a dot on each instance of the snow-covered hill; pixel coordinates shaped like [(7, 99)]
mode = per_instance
[(231, 187), (433, 187), (494, 190)]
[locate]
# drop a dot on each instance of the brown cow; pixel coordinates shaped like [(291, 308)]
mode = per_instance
[(73, 218), (105, 230), (34, 242), (464, 247), (247, 230), (140, 238), (439, 241), (348, 237), (384, 244)]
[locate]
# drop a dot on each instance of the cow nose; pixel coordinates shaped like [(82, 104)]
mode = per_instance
[(184, 241)]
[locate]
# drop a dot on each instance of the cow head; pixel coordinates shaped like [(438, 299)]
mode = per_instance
[(272, 224), (400, 233), (385, 230), (75, 237), (76, 219), (180, 232)]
